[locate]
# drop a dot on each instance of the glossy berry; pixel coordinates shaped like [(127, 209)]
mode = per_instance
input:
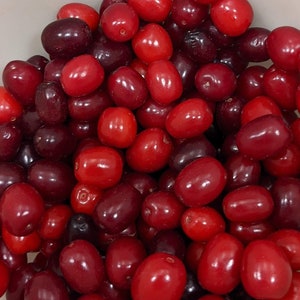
[(10, 108), (159, 275), (117, 127), (189, 119), (51, 103), (263, 137), (152, 10), (123, 257), (118, 208), (21, 208), (54, 180), (221, 260), (84, 198), (54, 221), (287, 163), (81, 11), (215, 81), (50, 283), (21, 244), (127, 88), (285, 191), (163, 82), (250, 203), (21, 79), (81, 257), (252, 44), (100, 165), (150, 151), (81, 75), (265, 270), (119, 22), (281, 86), (162, 210), (151, 43), (201, 223), (232, 17), (257, 107), (188, 14), (10, 173), (200, 182), (283, 47), (66, 38)]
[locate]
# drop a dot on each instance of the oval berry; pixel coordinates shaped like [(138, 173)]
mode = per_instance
[(200, 182)]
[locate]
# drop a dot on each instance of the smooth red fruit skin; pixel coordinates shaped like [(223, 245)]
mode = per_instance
[(193, 253), (287, 163), (215, 82), (21, 244), (200, 182), (53, 179), (285, 192), (81, 75), (82, 266), (265, 270), (250, 82), (263, 137), (5, 276), (281, 86), (241, 171), (159, 276), (21, 208), (119, 22), (84, 198), (257, 107), (232, 17), (289, 240), (13, 261), (127, 88), (117, 127), (45, 285), (250, 203), (202, 223), (66, 38), (188, 14), (151, 43), (123, 257), (100, 165), (164, 82), (81, 11), (152, 10), (189, 118), (153, 114), (54, 222), (21, 79), (10, 108), (250, 231), (219, 265), (294, 291), (162, 210), (150, 151), (118, 208), (283, 46)]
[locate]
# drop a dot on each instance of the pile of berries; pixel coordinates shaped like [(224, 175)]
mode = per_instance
[(153, 154)]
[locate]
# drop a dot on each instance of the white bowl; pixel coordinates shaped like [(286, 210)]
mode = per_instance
[(21, 22)]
